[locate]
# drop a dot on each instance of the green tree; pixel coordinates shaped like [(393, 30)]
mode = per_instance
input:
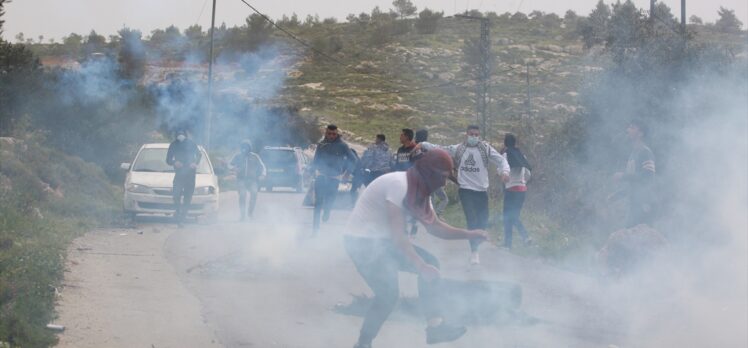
[(535, 15), (694, 19), (194, 33), (625, 26), (727, 22), (94, 43), (428, 21), (72, 44), (594, 29), (550, 21), (519, 17), (570, 17), (259, 31), (404, 8), (290, 22), (132, 54)]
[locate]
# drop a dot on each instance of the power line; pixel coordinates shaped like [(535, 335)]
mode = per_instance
[(306, 44), (201, 12), (294, 37), (339, 62), (346, 66)]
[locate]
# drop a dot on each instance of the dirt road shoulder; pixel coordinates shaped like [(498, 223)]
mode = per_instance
[(120, 291)]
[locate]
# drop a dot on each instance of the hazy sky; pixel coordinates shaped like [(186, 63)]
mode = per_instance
[(57, 18)]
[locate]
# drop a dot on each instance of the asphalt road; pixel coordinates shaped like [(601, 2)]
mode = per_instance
[(267, 283)]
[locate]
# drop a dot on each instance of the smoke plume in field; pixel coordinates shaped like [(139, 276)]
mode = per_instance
[(693, 291)]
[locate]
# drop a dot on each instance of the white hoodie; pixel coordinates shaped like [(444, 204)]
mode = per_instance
[(472, 173)]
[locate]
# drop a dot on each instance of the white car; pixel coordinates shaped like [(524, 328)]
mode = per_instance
[(149, 182)]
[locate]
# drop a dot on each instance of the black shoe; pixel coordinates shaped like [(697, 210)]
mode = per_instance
[(444, 333)]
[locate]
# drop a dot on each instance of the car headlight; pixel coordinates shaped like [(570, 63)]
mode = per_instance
[(205, 190), (135, 188)]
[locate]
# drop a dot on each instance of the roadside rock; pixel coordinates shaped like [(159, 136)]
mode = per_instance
[(446, 76), (551, 48), (504, 41), (317, 86), (521, 48), (366, 67), (294, 74)]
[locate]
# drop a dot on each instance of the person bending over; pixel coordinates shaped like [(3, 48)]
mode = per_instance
[(377, 242)]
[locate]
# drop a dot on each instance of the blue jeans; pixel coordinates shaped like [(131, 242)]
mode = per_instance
[(513, 202), (378, 261)]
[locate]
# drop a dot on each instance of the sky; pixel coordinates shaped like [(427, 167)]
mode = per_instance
[(56, 18)]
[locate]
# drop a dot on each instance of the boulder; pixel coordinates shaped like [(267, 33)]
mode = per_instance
[(629, 248), (446, 76), (551, 48), (366, 67), (504, 41)]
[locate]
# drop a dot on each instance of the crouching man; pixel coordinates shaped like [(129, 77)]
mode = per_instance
[(377, 242)]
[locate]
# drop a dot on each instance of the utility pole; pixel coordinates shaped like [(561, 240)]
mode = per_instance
[(683, 18), (209, 116), (652, 12), (527, 79), (484, 71)]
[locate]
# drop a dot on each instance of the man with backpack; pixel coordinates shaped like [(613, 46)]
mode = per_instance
[(472, 159), (249, 170)]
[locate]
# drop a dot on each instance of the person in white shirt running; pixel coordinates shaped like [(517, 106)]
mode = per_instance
[(472, 159), (377, 242)]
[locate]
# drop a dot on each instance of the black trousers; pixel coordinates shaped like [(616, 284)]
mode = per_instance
[(379, 261), (325, 191), (183, 189), (475, 206)]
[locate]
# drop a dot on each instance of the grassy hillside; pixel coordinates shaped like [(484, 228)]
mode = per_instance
[(356, 96), (47, 198)]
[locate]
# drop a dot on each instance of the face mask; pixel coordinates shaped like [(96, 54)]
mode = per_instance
[(473, 140), (181, 137)]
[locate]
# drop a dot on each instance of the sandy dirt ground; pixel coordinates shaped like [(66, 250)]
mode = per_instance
[(266, 283), (120, 291)]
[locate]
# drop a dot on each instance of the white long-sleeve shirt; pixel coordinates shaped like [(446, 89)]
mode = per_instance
[(472, 173)]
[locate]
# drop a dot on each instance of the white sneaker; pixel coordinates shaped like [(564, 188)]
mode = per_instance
[(475, 258)]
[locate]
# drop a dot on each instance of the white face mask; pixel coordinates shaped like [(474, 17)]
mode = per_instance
[(473, 140), (181, 137)]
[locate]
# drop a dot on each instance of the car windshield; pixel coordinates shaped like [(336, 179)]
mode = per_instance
[(278, 158), (154, 160)]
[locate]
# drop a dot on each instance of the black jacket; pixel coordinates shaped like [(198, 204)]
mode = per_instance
[(402, 162), (185, 152), (333, 158)]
